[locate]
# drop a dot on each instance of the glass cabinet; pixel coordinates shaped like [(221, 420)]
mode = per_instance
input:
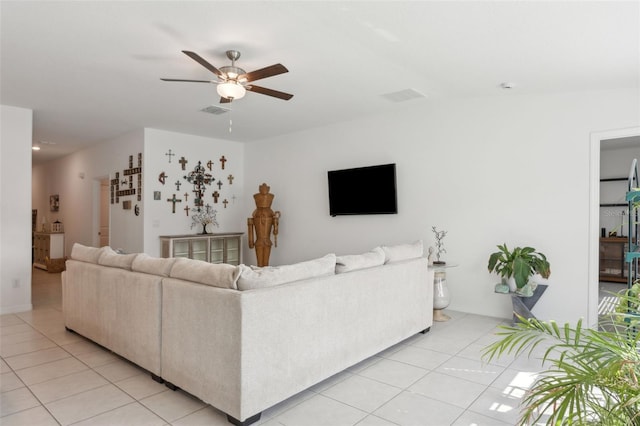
[(212, 248)]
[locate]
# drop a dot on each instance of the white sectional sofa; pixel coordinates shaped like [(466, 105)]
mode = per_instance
[(244, 338)]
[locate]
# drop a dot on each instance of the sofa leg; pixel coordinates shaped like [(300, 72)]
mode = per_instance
[(426, 330), (247, 422), (171, 386), (157, 378)]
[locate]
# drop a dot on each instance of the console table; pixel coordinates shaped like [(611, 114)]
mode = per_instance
[(47, 245), (213, 248)]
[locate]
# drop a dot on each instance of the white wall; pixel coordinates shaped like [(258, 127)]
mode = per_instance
[(511, 169), (75, 178), (158, 216), (615, 163), (15, 209)]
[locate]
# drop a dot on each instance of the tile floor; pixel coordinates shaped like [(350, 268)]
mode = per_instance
[(52, 377)]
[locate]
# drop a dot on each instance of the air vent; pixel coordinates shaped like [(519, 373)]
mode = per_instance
[(215, 110), (403, 95)]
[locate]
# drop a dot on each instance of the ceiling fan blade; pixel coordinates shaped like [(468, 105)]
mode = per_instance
[(265, 72), (269, 92), (225, 100), (202, 62), (189, 81)]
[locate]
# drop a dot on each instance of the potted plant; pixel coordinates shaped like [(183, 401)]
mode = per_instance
[(518, 265), (590, 376)]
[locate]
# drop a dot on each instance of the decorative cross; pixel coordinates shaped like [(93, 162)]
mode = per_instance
[(223, 160), (178, 183), (187, 209), (173, 200), (219, 184), (186, 196), (170, 154), (225, 202), (183, 161), (230, 177), (210, 164), (215, 195), (162, 177)]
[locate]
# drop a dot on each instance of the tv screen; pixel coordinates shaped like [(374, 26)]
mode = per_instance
[(363, 190)]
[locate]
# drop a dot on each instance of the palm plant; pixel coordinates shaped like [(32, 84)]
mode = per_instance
[(591, 377)]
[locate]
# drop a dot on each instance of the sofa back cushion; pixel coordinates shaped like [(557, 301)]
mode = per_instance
[(110, 257), (214, 274), (403, 251), (353, 262), (152, 265), (252, 277), (85, 253)]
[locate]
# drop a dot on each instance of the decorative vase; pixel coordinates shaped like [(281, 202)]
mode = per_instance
[(441, 296), (204, 229), (511, 282)]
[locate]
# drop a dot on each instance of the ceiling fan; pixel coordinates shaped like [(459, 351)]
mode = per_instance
[(233, 82)]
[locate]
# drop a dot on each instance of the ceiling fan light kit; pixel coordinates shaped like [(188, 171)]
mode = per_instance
[(233, 81)]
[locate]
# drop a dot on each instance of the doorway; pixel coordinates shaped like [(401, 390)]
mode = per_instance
[(599, 141)]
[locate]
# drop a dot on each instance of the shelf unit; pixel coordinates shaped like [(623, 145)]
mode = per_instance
[(212, 248), (47, 245), (612, 266)]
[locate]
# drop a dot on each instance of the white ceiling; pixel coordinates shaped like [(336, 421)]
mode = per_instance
[(91, 70)]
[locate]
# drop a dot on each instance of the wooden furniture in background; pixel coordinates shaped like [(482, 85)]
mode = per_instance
[(612, 263), (47, 245), (212, 248)]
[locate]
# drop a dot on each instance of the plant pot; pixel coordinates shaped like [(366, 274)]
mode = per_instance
[(511, 282)]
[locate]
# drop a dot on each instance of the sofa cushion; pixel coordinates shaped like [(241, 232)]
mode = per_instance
[(110, 257), (403, 251), (353, 262), (254, 277), (152, 265), (214, 274), (85, 253)]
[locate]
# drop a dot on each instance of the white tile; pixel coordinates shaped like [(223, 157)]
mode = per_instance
[(495, 404), (141, 386), (67, 385), (372, 420), (441, 343), (394, 373), (88, 404), (9, 381), (82, 347), (364, 364), (320, 411), (32, 359), (62, 336), (97, 358), (51, 370), (17, 400), (327, 383), (419, 357), (449, 389), (287, 404), (515, 379), (469, 418), (207, 416), (471, 370), (119, 370), (131, 414), (9, 319), (37, 416), (24, 336), (8, 350), (4, 367), (14, 329), (411, 410), (362, 393), (172, 405)]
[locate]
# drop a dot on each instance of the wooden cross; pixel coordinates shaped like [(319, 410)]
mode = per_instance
[(225, 202), (173, 200), (170, 154), (223, 160), (162, 177), (230, 177), (178, 183), (219, 184), (186, 196), (215, 195), (183, 161), (187, 209), (210, 164)]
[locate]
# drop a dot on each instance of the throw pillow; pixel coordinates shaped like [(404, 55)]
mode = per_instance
[(269, 276), (110, 257), (152, 265), (85, 253), (403, 251), (353, 262), (214, 274)]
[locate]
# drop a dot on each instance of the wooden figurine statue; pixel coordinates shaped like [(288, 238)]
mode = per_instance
[(263, 220)]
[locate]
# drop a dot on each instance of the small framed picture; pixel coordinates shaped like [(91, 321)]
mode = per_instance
[(54, 203), (156, 195)]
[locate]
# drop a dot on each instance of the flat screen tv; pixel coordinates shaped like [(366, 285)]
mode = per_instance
[(363, 190)]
